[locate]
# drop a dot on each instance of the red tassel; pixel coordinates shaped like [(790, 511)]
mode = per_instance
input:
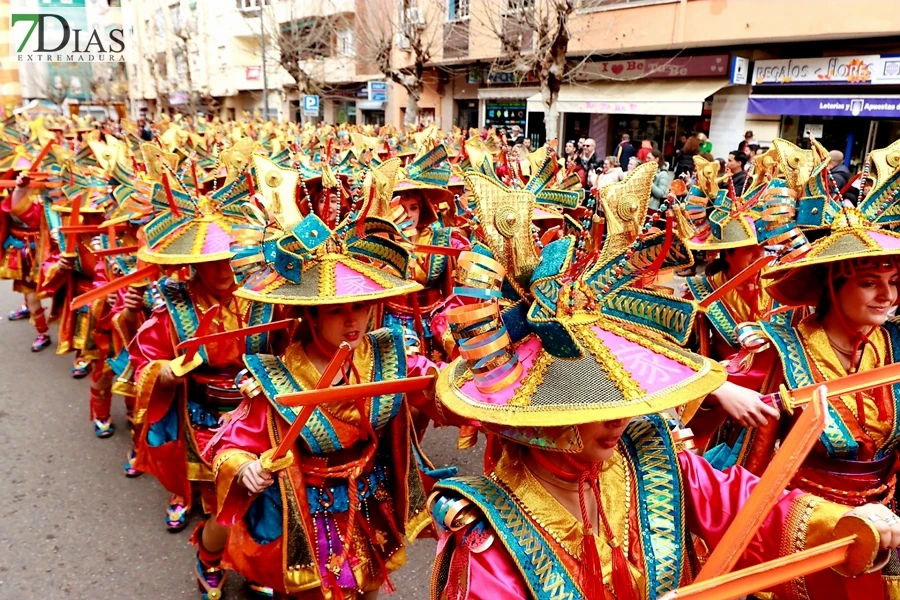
[(882, 397), (622, 582), (591, 573)]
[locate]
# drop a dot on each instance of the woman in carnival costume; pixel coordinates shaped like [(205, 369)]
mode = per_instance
[(587, 495), (67, 272), (850, 276), (728, 227), (422, 188), (20, 231), (182, 398), (331, 522)]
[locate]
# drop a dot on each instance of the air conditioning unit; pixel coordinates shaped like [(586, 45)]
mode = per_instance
[(402, 42)]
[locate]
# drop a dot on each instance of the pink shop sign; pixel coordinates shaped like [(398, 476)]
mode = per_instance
[(655, 68)]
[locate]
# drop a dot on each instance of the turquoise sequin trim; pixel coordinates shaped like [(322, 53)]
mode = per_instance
[(660, 503)]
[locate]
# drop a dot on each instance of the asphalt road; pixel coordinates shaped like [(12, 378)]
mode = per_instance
[(73, 526)]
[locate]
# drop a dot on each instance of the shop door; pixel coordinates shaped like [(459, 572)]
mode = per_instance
[(537, 129), (466, 114), (577, 125), (884, 133)]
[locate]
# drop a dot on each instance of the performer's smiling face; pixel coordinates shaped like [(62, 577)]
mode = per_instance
[(600, 439), (412, 207), (216, 275), (867, 297), (342, 323)]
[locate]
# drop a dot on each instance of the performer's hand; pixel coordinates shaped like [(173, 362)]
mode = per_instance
[(883, 520), (66, 263), (743, 406), (133, 300), (255, 478), (167, 378), (22, 181)]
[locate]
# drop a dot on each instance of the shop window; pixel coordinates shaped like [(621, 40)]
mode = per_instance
[(505, 113)]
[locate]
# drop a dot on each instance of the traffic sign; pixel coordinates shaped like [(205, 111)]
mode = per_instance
[(378, 91), (310, 106)]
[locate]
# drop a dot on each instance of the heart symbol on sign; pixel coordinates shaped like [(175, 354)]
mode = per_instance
[(718, 60), (617, 69)]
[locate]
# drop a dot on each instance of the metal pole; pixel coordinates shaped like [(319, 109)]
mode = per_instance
[(262, 30)]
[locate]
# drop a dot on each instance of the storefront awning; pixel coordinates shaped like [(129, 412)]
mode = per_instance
[(510, 93), (886, 107), (643, 97)]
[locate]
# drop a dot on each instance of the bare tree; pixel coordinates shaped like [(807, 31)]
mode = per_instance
[(401, 38), (108, 83), (534, 40), (298, 40)]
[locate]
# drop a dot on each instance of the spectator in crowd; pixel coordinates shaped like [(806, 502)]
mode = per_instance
[(841, 175), (570, 150), (526, 143), (839, 170), (589, 161), (610, 172), (624, 151), (516, 136), (570, 162), (722, 167), (737, 160), (633, 162), (647, 146), (744, 145), (707, 155), (685, 162), (661, 181)]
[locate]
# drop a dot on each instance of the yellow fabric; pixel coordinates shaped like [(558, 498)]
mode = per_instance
[(825, 360), (563, 527), (740, 309), (307, 375)]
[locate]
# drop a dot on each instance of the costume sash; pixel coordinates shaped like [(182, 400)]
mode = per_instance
[(660, 502), (542, 570), (437, 263), (186, 320), (893, 329), (718, 314), (275, 378), (182, 310), (837, 438)]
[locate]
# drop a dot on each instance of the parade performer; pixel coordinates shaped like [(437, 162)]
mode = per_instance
[(587, 495), (422, 187), (69, 267), (850, 276), (20, 231), (181, 398), (331, 523)]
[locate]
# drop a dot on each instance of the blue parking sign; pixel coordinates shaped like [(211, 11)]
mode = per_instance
[(311, 106)]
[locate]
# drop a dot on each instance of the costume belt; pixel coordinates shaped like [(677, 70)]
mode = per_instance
[(215, 389), (429, 299), (24, 232), (850, 482)]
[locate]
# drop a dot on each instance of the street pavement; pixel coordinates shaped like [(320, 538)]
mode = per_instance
[(73, 526)]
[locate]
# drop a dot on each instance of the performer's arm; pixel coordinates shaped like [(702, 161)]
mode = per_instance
[(236, 447), (797, 522)]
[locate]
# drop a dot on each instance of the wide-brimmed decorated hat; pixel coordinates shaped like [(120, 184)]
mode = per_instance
[(585, 343), (721, 220), (802, 270), (286, 257), (189, 228)]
